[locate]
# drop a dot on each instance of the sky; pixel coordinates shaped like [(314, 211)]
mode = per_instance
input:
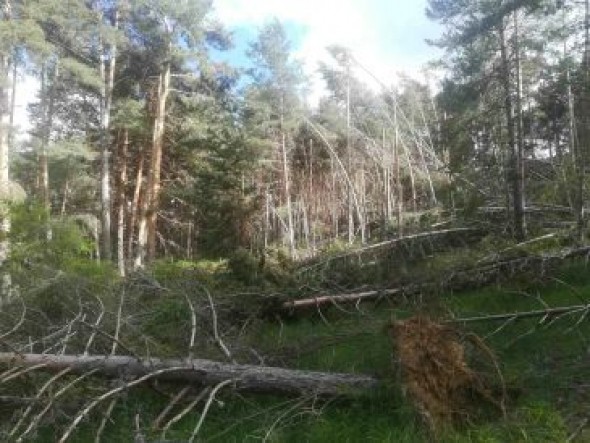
[(386, 36)]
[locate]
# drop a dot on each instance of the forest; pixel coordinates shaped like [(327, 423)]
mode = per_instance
[(194, 250)]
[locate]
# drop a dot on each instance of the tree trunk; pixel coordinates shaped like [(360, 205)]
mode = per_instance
[(519, 186), (122, 200), (4, 165), (517, 201), (582, 148), (398, 181), (48, 100), (107, 75), (149, 217), (287, 185), (135, 204), (208, 372), (349, 201)]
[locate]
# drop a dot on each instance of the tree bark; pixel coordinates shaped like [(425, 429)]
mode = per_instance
[(287, 184), (247, 377), (519, 186), (122, 200), (107, 74), (399, 207), (135, 204), (517, 197), (583, 146), (48, 88), (4, 160), (149, 217)]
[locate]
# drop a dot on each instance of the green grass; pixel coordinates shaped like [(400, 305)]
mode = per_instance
[(546, 364)]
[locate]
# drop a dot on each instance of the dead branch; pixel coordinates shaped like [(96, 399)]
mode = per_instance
[(105, 419), (35, 421), (216, 335), (522, 315), (206, 408), (95, 328), (207, 372), (158, 421), (18, 324), (185, 411), (111, 394), (40, 392), (340, 298)]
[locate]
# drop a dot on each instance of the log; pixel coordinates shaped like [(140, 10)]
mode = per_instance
[(479, 275), (206, 372), (389, 244), (320, 300)]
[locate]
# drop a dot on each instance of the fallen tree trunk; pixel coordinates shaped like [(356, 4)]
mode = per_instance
[(458, 233), (458, 279), (207, 372), (549, 312)]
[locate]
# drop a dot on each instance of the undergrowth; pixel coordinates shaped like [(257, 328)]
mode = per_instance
[(545, 361)]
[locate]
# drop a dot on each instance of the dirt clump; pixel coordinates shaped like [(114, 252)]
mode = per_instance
[(435, 374)]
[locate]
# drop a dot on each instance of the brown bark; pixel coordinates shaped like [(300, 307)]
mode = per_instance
[(149, 217), (207, 372)]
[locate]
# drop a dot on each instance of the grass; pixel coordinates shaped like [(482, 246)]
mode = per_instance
[(546, 364)]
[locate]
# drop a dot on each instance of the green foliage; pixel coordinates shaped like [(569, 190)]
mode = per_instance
[(67, 244), (244, 267), (226, 199)]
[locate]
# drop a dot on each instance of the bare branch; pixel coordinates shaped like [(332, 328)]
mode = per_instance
[(185, 411), (206, 408)]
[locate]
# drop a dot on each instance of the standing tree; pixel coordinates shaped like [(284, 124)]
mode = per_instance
[(173, 32), (274, 99), (477, 38)]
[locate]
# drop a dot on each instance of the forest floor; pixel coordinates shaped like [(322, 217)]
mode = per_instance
[(545, 364)]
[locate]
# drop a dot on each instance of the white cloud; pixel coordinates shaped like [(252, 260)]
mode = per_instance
[(358, 25)]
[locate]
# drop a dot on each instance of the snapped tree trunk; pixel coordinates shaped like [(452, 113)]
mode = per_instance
[(246, 377)]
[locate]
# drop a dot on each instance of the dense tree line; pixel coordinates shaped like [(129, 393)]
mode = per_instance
[(144, 141)]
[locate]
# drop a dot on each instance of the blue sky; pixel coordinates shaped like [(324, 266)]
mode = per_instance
[(386, 36)]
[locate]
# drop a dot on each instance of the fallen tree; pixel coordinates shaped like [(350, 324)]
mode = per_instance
[(481, 274), (461, 235), (205, 372)]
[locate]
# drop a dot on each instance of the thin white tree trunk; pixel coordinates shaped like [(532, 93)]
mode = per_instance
[(398, 181), (48, 100), (122, 202), (4, 173), (107, 74), (287, 186)]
